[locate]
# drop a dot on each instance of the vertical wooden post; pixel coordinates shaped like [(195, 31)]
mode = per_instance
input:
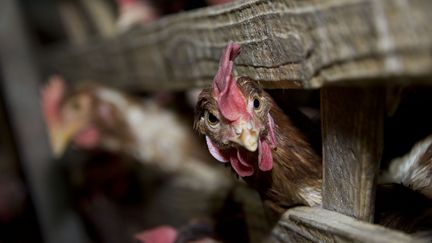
[(20, 91), (352, 130)]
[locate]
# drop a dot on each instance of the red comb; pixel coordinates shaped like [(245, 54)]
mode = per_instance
[(161, 234), (125, 2), (52, 95), (225, 66), (231, 102)]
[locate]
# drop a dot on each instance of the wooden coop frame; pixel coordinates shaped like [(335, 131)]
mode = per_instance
[(350, 49)]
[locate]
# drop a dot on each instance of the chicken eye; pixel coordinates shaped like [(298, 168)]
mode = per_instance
[(256, 104), (75, 105), (212, 119)]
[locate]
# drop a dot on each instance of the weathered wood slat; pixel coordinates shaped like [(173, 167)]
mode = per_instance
[(352, 132), (285, 43), (320, 225)]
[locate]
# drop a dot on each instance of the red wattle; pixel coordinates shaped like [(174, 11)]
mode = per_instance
[(240, 166), (265, 158), (216, 152), (161, 234), (123, 3), (88, 138)]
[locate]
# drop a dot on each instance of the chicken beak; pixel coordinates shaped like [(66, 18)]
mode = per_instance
[(247, 136), (60, 138)]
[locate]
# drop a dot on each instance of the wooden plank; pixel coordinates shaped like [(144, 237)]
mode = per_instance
[(285, 44), (352, 130), (320, 225), (20, 91)]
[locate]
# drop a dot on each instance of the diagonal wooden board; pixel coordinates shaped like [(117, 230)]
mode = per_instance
[(321, 225), (285, 44)]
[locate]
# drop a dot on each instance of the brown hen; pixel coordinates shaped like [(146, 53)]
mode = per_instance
[(97, 117), (245, 127)]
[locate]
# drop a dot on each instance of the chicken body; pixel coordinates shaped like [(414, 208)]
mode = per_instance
[(91, 117), (295, 177), (96, 116), (414, 169), (244, 127), (160, 138)]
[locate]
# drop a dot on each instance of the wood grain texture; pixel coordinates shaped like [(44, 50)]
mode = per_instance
[(285, 44), (320, 225), (352, 133)]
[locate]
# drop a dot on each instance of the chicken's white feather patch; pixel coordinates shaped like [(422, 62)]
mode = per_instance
[(157, 131), (312, 195), (408, 170), (200, 177), (161, 139), (112, 96)]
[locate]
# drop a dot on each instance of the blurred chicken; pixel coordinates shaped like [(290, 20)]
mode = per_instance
[(245, 128), (195, 232), (96, 116), (12, 198), (189, 185), (101, 186), (160, 234), (413, 170), (117, 196), (407, 184)]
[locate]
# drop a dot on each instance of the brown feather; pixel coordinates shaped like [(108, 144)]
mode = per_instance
[(296, 175)]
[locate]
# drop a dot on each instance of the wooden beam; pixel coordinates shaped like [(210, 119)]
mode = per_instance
[(320, 225), (20, 91), (352, 130), (285, 44)]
